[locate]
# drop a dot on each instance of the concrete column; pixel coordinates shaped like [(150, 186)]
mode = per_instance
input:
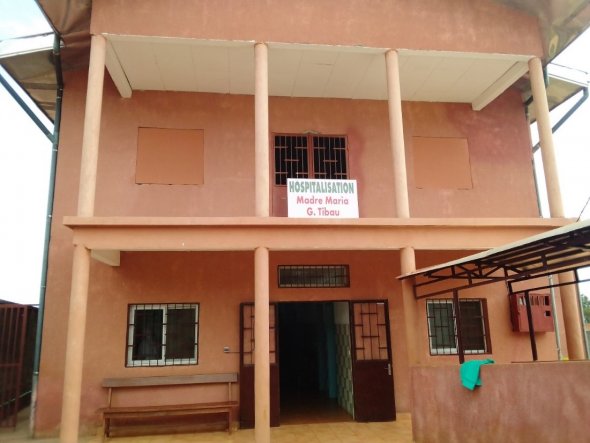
[(70, 415), (396, 135), (408, 264), (545, 137), (569, 302), (261, 350), (571, 322), (262, 167), (91, 135)]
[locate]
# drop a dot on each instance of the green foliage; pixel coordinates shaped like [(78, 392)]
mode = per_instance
[(586, 307)]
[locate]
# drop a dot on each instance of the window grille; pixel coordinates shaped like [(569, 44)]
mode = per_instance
[(305, 156), (248, 343), (442, 327), (313, 276), (329, 157), (370, 331), (163, 334)]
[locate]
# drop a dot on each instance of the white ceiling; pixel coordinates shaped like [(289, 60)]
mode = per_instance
[(171, 64)]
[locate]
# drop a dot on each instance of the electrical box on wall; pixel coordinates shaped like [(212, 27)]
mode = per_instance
[(540, 310)]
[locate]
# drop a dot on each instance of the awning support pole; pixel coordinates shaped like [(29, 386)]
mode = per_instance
[(460, 350), (529, 315)]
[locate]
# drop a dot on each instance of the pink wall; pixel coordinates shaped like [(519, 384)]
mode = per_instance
[(219, 282), (146, 278), (456, 25), (507, 346), (228, 190), (534, 402), (499, 153), (498, 140)]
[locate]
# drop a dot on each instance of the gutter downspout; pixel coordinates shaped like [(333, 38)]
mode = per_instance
[(48, 220), (555, 321)]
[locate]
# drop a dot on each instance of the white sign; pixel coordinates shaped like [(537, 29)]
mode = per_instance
[(322, 198)]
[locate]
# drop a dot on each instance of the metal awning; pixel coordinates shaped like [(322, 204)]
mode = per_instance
[(560, 251), (31, 62)]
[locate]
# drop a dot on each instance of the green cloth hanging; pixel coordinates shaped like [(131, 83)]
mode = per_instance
[(469, 372)]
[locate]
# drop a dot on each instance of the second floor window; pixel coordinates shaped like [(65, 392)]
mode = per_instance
[(310, 156)]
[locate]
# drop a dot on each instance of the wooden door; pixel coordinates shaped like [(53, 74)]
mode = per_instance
[(371, 361), (247, 366)]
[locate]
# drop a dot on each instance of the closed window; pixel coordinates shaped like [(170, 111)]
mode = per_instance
[(310, 156), (163, 334), (442, 327)]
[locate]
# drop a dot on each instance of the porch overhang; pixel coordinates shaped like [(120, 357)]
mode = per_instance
[(560, 251), (106, 236), (308, 70)]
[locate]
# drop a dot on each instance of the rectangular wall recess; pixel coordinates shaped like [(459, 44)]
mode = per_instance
[(169, 156)]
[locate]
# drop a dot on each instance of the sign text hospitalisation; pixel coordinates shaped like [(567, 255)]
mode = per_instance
[(322, 198)]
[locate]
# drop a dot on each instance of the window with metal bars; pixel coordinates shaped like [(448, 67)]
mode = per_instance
[(163, 334), (310, 156), (313, 276), (442, 326)]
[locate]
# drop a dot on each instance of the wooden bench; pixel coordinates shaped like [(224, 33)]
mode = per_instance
[(145, 411)]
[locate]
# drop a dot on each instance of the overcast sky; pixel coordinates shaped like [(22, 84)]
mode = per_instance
[(25, 151)]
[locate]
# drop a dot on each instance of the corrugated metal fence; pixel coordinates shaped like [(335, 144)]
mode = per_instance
[(13, 331)]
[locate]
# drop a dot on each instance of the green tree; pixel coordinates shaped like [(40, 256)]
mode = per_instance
[(586, 308)]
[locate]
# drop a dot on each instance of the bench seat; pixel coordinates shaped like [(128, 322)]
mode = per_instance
[(110, 412)]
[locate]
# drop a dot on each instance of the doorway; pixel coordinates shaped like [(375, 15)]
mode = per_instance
[(315, 369), (314, 374)]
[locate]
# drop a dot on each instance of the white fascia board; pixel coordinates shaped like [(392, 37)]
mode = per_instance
[(117, 73), (516, 71)]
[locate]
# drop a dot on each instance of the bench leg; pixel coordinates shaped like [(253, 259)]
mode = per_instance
[(106, 424)]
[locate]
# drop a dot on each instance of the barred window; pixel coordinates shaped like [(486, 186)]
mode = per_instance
[(313, 276), (442, 326), (310, 156), (163, 334)]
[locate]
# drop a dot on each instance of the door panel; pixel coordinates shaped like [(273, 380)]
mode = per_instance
[(371, 362), (247, 366)]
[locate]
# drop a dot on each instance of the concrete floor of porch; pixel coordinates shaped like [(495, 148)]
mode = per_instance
[(344, 432)]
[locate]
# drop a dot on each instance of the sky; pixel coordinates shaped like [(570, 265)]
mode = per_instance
[(25, 151)]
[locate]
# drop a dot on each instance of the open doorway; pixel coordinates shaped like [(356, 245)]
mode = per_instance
[(315, 362)]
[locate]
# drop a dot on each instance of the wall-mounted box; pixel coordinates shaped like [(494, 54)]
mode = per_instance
[(540, 310)]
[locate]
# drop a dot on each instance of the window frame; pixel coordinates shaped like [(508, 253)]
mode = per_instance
[(335, 281), (311, 167), (130, 362), (453, 350)]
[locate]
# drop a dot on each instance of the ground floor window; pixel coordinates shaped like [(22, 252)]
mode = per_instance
[(163, 334), (442, 326)]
